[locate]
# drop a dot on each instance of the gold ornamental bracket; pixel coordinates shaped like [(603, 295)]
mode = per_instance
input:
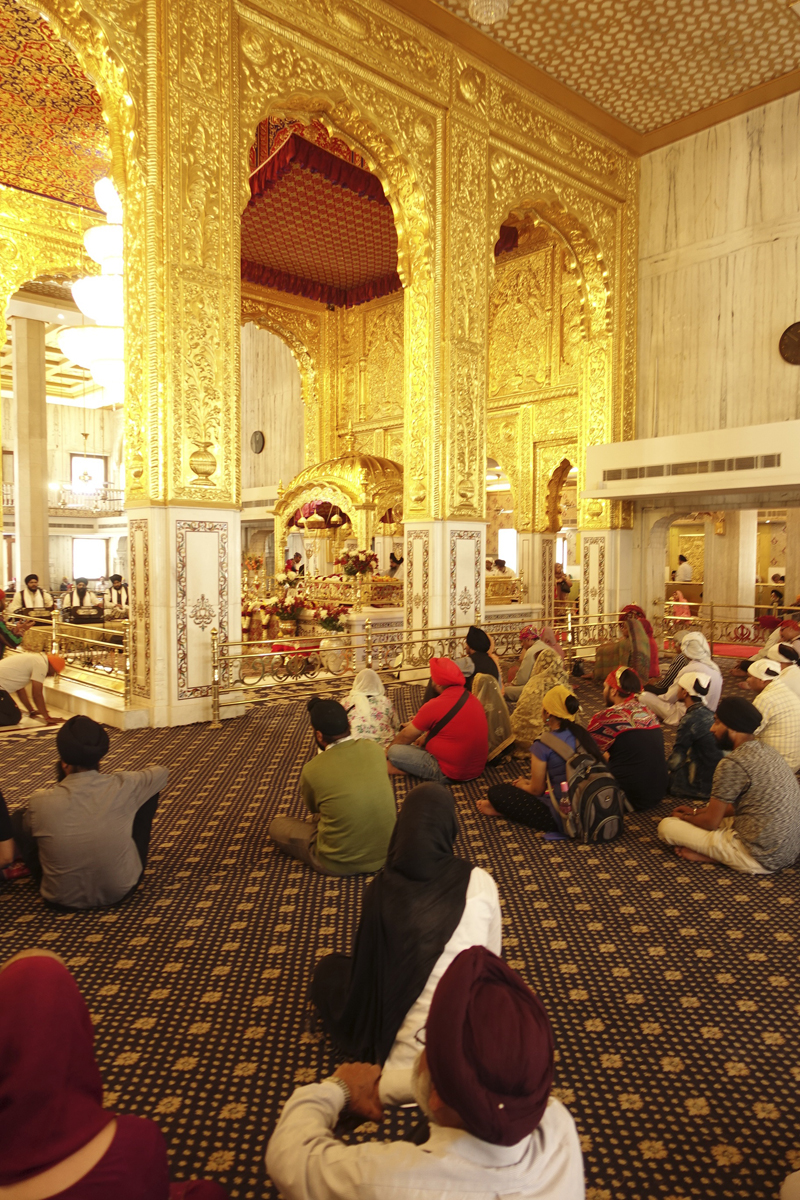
[(361, 484)]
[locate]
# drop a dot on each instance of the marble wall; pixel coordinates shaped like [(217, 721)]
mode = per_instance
[(65, 427), (719, 275), (271, 402)]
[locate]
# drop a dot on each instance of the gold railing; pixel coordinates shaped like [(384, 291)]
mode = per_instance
[(96, 656), (500, 590)]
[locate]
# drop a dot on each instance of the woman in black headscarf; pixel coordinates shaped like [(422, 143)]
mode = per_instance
[(420, 910)]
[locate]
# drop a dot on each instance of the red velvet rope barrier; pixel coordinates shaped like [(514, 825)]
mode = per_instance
[(254, 272), (312, 158)]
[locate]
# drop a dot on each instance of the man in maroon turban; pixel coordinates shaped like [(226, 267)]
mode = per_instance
[(483, 1080), (452, 726)]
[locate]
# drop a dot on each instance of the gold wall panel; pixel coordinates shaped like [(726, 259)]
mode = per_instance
[(457, 146)]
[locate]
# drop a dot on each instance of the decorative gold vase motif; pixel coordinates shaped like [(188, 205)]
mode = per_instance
[(203, 464), (287, 628)]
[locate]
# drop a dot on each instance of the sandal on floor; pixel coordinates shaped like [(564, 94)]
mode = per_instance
[(17, 870)]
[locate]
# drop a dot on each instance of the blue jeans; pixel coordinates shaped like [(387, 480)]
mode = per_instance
[(416, 761)]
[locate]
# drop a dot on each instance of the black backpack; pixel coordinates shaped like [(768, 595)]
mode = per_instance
[(596, 801)]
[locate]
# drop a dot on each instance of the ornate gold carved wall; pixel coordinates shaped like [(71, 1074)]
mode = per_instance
[(457, 147)]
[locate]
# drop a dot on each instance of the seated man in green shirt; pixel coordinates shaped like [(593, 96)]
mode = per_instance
[(347, 789)]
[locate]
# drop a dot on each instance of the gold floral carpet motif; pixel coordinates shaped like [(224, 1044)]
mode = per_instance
[(672, 988)]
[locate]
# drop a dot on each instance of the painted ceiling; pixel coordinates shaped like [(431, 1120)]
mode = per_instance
[(54, 140), (651, 62)]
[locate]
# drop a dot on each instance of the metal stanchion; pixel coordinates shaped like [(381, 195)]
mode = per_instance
[(215, 721), (127, 641), (368, 642)]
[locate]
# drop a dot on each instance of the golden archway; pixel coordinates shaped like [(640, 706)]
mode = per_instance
[(362, 485)]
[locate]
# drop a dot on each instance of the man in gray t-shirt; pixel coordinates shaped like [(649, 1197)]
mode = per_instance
[(752, 821), (86, 839)]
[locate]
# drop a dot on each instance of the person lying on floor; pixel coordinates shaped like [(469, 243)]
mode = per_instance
[(787, 632), (696, 751), (695, 655), (457, 742), (85, 841), (526, 800), (787, 659), (752, 821), (779, 708), (347, 790), (483, 1080), (632, 740), (56, 1139), (421, 910)]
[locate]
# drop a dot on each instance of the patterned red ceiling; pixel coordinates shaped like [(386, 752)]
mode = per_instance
[(319, 225), (54, 140)]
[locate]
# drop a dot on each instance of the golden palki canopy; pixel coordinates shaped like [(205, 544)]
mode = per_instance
[(361, 485)]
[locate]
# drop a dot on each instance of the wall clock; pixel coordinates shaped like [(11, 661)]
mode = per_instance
[(257, 441), (789, 345)]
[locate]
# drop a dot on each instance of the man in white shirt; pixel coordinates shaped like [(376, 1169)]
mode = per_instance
[(779, 708), (115, 599), (32, 598), (483, 1080), (788, 633), (19, 669), (80, 604), (684, 571), (787, 659)]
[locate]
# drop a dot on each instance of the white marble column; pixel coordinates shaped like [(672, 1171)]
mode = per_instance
[(730, 560), (29, 433), (792, 569), (445, 574), (185, 580), (606, 571), (383, 548)]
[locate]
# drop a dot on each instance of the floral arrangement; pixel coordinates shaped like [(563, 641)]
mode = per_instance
[(252, 562), (290, 574), (359, 563), (266, 607), (290, 606), (328, 618)]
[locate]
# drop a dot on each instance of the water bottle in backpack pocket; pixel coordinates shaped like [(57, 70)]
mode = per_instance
[(592, 807)]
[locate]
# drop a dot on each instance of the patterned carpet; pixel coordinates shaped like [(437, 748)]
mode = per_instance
[(672, 987)]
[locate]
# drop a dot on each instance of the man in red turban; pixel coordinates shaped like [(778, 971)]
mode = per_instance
[(452, 726), (484, 1082)]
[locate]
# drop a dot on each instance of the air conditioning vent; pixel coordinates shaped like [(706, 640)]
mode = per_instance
[(710, 466)]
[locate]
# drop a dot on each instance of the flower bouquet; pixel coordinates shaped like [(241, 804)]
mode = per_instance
[(252, 562), (290, 607), (291, 576), (359, 562), (328, 618)]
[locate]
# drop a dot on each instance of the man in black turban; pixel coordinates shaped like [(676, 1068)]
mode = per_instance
[(479, 659), (85, 841), (752, 821), (483, 1080)]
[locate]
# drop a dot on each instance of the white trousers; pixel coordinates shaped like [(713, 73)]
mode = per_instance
[(669, 713), (723, 844), (791, 1187)]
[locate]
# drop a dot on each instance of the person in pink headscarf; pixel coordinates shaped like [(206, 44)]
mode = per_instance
[(549, 638), (520, 672)]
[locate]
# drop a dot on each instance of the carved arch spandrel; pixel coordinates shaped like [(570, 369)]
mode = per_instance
[(276, 76)]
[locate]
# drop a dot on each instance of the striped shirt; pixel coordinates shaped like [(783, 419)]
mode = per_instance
[(665, 680), (780, 725)]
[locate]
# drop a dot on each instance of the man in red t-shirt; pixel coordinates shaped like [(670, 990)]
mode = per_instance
[(459, 751)]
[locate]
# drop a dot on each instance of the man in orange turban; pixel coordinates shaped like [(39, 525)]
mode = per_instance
[(453, 727)]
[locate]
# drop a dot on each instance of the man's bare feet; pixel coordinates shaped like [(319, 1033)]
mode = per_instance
[(692, 855), (487, 808)]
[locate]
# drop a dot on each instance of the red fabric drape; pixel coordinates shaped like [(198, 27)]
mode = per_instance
[(312, 158), (508, 240), (342, 297)]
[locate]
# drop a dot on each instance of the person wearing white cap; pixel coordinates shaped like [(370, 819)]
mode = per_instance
[(695, 655), (696, 751), (787, 659), (779, 708)]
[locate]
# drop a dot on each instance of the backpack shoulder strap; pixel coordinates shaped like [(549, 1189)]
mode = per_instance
[(556, 744), (439, 725)]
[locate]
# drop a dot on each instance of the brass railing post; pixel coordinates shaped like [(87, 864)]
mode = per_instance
[(54, 632), (127, 637), (368, 642), (215, 721)]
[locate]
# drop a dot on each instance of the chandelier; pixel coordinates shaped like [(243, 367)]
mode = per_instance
[(101, 347), (486, 12)]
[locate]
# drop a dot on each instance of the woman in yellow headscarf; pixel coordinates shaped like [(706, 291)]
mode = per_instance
[(526, 720), (529, 800)]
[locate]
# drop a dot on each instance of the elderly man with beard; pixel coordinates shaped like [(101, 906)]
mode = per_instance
[(483, 1080), (752, 821)]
